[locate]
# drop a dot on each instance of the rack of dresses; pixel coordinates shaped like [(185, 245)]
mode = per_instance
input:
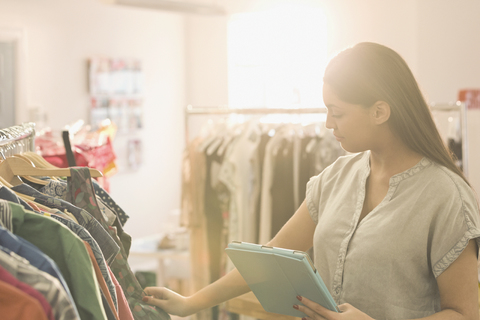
[(244, 175), (451, 120), (63, 250), (17, 139)]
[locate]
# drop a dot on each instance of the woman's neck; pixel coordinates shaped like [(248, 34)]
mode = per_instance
[(392, 159)]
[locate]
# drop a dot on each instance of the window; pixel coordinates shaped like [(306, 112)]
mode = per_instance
[(276, 57)]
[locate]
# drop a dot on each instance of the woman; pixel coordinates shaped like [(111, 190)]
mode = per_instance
[(395, 226)]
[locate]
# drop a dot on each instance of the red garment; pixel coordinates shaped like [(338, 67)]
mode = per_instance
[(34, 206), (124, 312), (60, 160), (471, 97), (16, 304), (6, 277), (101, 281)]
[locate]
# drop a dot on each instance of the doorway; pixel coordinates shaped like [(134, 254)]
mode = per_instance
[(7, 84)]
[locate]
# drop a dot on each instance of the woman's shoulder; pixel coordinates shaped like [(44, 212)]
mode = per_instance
[(449, 187), (352, 161), (344, 168), (440, 177)]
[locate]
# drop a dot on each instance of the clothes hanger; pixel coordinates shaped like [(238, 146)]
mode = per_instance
[(29, 178), (39, 162), (14, 166), (12, 180), (5, 183), (233, 132), (34, 160)]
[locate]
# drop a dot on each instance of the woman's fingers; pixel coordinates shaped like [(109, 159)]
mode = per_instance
[(170, 301), (157, 292), (159, 297), (313, 310), (343, 307)]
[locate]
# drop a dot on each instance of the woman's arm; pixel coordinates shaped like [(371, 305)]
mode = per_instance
[(296, 234), (458, 286)]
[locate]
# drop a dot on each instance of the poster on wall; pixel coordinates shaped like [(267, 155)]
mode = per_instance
[(116, 88), (116, 93)]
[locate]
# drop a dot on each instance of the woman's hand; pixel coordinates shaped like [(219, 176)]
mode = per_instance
[(314, 311), (169, 301)]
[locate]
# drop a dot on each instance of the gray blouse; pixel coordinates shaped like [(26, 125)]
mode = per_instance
[(387, 264)]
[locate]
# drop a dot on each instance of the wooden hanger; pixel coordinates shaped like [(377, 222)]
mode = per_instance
[(29, 178), (38, 160), (14, 166), (34, 160), (5, 183)]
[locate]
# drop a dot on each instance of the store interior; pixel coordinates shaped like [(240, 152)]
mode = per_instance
[(216, 55)]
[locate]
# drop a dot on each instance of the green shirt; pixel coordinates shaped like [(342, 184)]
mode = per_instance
[(69, 253)]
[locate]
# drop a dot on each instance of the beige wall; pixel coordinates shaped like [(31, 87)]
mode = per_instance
[(60, 35), (449, 60)]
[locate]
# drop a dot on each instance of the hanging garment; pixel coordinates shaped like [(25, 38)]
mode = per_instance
[(10, 279), (238, 175), (16, 304), (108, 311), (68, 252), (100, 260), (80, 192), (193, 217), (215, 209), (107, 301), (103, 194), (257, 164), (282, 187), (9, 195), (58, 189), (107, 213), (124, 312), (34, 256), (104, 240), (306, 166), (47, 285), (265, 232)]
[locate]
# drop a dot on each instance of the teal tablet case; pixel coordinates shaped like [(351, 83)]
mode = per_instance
[(277, 276)]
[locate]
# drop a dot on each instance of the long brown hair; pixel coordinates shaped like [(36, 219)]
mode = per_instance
[(370, 72)]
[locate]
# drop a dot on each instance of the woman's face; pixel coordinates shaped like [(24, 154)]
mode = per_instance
[(352, 124)]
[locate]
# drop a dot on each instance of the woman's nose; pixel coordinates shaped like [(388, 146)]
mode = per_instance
[(329, 123)]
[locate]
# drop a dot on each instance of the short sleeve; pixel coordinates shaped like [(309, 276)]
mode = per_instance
[(313, 196), (452, 228)]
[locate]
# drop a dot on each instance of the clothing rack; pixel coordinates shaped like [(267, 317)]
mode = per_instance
[(17, 139), (461, 108), (218, 110)]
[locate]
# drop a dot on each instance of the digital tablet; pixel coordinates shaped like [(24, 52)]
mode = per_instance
[(277, 276)]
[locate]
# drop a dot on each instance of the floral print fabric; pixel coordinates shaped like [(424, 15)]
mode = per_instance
[(80, 192)]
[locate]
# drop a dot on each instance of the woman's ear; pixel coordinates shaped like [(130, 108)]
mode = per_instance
[(380, 112)]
